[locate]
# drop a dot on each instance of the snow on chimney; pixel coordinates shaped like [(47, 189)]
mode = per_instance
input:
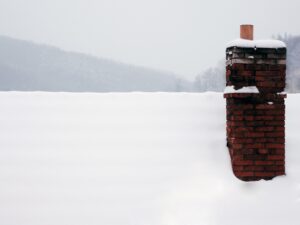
[(255, 108)]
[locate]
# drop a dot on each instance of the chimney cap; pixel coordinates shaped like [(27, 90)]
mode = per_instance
[(246, 40), (246, 31)]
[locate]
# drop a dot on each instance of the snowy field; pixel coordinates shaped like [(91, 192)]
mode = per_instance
[(133, 159)]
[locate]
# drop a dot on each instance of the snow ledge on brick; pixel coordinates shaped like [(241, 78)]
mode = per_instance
[(243, 43), (249, 89), (282, 93)]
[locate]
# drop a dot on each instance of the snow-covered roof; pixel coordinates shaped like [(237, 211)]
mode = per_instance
[(134, 158), (243, 43)]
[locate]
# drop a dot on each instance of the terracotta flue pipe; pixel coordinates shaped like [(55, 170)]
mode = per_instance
[(246, 31)]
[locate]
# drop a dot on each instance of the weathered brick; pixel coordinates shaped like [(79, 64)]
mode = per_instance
[(244, 174), (268, 73), (274, 123), (274, 134), (280, 173), (274, 168), (279, 151), (278, 146), (235, 123), (242, 162), (255, 157), (238, 168), (263, 151), (281, 162), (254, 134), (275, 157), (265, 106), (264, 118), (238, 66), (255, 145), (275, 112), (265, 174), (264, 128), (253, 168), (255, 121), (264, 162)]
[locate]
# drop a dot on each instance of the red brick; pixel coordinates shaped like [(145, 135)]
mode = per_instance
[(238, 112), (264, 117), (253, 168), (254, 134), (244, 174), (279, 112), (237, 158), (243, 162), (255, 145), (274, 123), (272, 78), (278, 67), (279, 140), (235, 118), (278, 146), (241, 140), (246, 106), (281, 162), (266, 84), (260, 140), (238, 66), (244, 151), (280, 173), (241, 129), (255, 157), (238, 168), (263, 151), (274, 134), (279, 151), (275, 157), (246, 73), (255, 123), (249, 118), (279, 117), (264, 174), (237, 134), (279, 128), (237, 146), (274, 168), (263, 163), (264, 128), (235, 123), (267, 73), (265, 106)]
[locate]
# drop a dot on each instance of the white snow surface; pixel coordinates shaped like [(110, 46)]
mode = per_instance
[(248, 89), (243, 43), (133, 159)]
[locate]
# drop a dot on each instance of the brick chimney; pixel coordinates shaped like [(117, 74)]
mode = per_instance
[(255, 105)]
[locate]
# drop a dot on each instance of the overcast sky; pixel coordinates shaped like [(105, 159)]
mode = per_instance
[(182, 36)]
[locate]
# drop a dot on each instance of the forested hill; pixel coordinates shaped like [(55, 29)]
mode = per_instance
[(25, 66)]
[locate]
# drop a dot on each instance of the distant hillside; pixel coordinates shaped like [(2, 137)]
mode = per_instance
[(293, 62), (213, 79), (26, 66)]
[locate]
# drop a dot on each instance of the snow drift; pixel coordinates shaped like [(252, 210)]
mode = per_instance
[(133, 159)]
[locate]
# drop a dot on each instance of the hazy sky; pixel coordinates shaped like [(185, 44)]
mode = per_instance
[(183, 36)]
